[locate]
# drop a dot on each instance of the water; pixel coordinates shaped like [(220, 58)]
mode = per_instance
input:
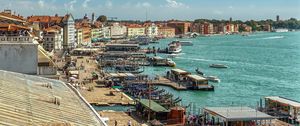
[(261, 64)]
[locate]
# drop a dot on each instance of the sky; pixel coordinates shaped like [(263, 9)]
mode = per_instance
[(160, 9)]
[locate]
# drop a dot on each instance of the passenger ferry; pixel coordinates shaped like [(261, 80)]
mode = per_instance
[(174, 47)]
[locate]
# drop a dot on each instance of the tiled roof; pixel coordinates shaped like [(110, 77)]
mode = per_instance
[(31, 100)]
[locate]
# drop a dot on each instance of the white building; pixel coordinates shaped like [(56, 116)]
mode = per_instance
[(105, 32), (118, 31), (152, 30), (53, 38), (69, 32)]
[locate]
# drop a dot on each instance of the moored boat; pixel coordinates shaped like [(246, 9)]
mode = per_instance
[(218, 66), (213, 79)]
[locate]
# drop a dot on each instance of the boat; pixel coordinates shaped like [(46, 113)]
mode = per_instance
[(159, 61), (186, 43), (199, 72), (281, 30), (218, 66), (213, 79), (174, 47)]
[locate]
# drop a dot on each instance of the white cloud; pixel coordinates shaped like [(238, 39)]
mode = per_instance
[(230, 7), (108, 4), (70, 5), (175, 4), (144, 4), (85, 3), (41, 3)]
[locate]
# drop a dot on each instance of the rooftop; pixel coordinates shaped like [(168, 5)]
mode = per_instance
[(196, 77), (154, 106), (284, 100), (237, 113), (31, 100), (179, 71)]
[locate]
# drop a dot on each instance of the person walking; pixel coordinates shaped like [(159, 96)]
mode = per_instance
[(129, 123), (116, 123)]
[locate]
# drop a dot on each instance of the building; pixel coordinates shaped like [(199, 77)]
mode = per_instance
[(69, 32), (118, 31), (151, 30), (135, 30), (39, 23), (180, 27), (53, 38), (96, 33), (203, 28), (32, 100), (22, 52), (277, 18), (285, 109), (235, 116), (167, 32), (79, 37), (105, 32)]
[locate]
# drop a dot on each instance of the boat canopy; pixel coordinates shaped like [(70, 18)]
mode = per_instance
[(154, 106), (196, 77), (284, 101), (179, 71)]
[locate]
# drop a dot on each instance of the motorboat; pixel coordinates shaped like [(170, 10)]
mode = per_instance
[(174, 47), (213, 79), (218, 66)]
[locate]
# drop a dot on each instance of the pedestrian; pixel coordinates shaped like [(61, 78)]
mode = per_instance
[(116, 123), (129, 123)]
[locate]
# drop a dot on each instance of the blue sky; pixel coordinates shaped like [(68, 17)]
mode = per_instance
[(160, 9)]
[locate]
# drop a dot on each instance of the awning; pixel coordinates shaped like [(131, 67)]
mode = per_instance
[(154, 106)]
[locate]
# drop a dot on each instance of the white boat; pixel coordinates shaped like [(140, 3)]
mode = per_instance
[(281, 30), (213, 79), (218, 66), (174, 47)]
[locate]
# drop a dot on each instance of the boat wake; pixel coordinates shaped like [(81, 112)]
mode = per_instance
[(274, 37)]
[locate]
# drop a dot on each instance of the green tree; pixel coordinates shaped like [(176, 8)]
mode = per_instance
[(102, 18)]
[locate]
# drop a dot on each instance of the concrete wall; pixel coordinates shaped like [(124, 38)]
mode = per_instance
[(19, 57)]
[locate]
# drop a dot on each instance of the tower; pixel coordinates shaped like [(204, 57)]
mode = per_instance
[(93, 17), (277, 18)]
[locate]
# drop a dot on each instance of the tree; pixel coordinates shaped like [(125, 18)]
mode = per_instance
[(102, 18)]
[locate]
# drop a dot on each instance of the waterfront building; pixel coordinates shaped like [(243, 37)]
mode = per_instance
[(105, 32), (285, 109), (49, 100), (118, 31), (66, 22), (151, 30), (53, 38), (78, 36), (135, 30), (203, 28), (167, 32), (180, 27), (235, 116), (96, 33)]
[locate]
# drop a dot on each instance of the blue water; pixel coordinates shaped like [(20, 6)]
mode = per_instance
[(261, 64)]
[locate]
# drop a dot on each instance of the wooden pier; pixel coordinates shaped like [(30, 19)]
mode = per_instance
[(163, 82)]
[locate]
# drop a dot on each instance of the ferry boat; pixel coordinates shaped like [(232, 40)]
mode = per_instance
[(213, 79), (159, 61), (218, 66), (174, 47)]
